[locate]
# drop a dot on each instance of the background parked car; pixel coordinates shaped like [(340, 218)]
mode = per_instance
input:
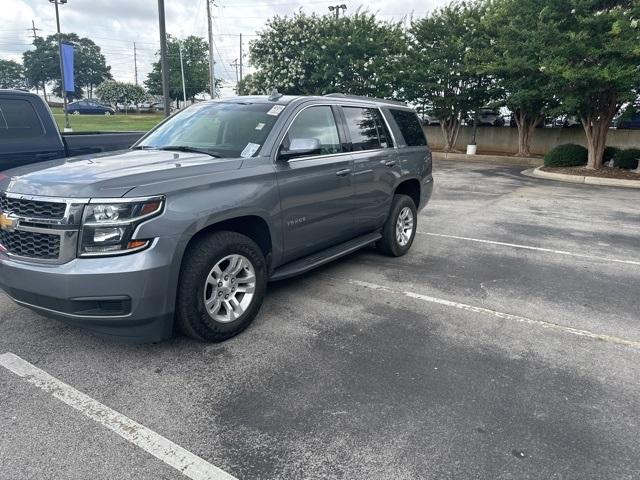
[(488, 116), (567, 121), (430, 120), (630, 123), (89, 107)]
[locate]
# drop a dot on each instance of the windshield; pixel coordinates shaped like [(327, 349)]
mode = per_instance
[(219, 129)]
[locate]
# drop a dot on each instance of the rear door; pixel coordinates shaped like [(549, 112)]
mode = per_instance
[(376, 167), (316, 189)]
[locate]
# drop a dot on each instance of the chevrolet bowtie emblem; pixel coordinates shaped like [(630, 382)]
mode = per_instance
[(8, 223)]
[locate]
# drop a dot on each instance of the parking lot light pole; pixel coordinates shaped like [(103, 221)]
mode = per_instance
[(164, 64), (67, 127)]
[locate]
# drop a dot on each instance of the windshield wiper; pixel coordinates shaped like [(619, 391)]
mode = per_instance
[(184, 148)]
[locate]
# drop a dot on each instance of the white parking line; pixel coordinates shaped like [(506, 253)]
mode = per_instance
[(539, 249), (505, 316), (174, 455)]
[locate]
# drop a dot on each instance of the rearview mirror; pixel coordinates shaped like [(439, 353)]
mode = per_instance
[(301, 146)]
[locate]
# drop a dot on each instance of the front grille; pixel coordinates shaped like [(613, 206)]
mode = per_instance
[(31, 244), (32, 208)]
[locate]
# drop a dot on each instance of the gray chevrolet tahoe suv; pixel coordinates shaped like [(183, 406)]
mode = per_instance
[(186, 228)]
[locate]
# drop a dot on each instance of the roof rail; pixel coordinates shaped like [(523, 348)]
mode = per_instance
[(371, 99)]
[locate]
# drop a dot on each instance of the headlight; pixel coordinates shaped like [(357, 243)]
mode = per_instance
[(107, 227)]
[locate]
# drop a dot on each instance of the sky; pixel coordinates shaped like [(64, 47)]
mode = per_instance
[(116, 24)]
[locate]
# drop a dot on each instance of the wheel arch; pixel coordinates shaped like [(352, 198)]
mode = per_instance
[(411, 188)]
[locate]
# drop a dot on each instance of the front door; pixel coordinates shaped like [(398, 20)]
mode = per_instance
[(316, 189)]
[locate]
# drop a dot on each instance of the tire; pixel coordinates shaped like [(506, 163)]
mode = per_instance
[(107, 114), (75, 112), (199, 281), (390, 243)]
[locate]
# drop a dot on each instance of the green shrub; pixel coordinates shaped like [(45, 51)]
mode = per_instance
[(627, 158), (568, 155), (609, 153)]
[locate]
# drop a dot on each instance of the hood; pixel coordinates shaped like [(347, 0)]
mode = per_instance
[(110, 174)]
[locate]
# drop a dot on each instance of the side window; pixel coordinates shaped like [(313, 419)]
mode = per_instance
[(410, 127), (315, 122), (18, 119), (363, 126)]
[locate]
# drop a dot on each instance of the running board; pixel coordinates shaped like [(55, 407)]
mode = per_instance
[(305, 264)]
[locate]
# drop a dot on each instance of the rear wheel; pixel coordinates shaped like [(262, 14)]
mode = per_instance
[(76, 112), (107, 113), (400, 228), (222, 285)]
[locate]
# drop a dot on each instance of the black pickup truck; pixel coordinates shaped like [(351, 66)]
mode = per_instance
[(28, 133)]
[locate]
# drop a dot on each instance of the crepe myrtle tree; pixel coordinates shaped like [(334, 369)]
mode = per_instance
[(318, 54), (442, 68), (592, 57), (514, 58), (112, 93)]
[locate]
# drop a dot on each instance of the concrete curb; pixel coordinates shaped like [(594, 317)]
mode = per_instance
[(490, 159), (563, 177)]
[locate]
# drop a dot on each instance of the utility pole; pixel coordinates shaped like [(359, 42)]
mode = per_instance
[(184, 89), (67, 127), (240, 84), (35, 36), (34, 29), (135, 62), (235, 63), (164, 66), (212, 78)]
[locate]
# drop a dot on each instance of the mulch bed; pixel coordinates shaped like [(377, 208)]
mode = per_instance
[(604, 172)]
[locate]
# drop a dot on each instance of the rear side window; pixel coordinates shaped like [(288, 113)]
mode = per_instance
[(410, 127), (366, 128), (18, 119)]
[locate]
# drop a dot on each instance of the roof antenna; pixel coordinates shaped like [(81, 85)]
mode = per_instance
[(274, 96)]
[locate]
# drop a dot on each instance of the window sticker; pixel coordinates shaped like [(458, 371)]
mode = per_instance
[(250, 149), (260, 126), (275, 110)]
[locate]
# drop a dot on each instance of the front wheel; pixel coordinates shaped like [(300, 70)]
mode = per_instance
[(75, 112), (222, 285), (107, 114), (400, 228)]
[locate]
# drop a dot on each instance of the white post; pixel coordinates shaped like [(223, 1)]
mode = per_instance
[(184, 89)]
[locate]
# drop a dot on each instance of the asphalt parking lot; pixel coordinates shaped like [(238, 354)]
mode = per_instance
[(505, 345)]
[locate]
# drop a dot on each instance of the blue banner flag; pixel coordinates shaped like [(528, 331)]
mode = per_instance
[(67, 65)]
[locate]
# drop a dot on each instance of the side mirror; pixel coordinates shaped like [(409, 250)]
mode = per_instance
[(301, 146)]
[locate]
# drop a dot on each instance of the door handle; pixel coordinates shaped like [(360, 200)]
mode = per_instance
[(344, 172), (390, 163)]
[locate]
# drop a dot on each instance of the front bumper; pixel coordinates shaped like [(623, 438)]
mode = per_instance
[(130, 297)]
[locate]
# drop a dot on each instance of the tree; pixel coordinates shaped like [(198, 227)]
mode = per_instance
[(42, 64), (315, 55), (443, 73), (195, 58), (11, 74), (592, 53), (515, 60), (112, 92)]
